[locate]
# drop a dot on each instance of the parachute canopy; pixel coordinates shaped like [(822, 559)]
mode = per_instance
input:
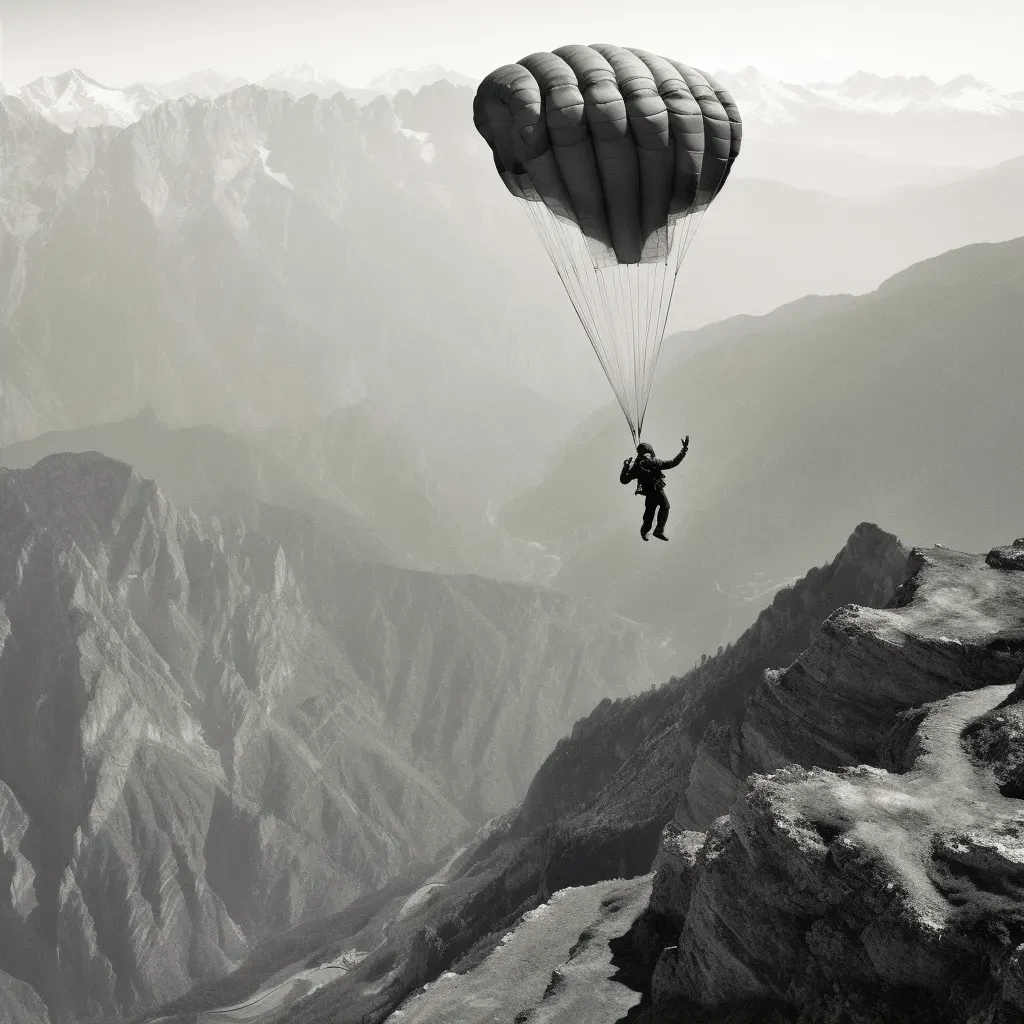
[(615, 154)]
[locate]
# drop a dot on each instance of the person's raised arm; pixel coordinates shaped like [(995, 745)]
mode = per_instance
[(627, 471), (672, 463)]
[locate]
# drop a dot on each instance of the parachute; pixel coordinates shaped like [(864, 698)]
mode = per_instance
[(615, 154)]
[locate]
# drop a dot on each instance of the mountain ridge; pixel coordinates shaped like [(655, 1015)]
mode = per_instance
[(769, 99), (792, 445), (765, 99)]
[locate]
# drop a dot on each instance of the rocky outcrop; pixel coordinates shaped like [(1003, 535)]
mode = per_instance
[(554, 967), (866, 894), (1009, 557), (213, 730), (997, 740), (950, 629), (675, 867)]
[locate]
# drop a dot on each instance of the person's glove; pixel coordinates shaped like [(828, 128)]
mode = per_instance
[(686, 443), (626, 462)]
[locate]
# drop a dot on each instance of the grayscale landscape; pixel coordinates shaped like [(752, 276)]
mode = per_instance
[(336, 681)]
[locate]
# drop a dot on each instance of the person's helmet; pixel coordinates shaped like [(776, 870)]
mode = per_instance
[(643, 448)]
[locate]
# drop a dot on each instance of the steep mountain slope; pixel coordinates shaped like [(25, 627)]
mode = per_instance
[(613, 748), (890, 895), (792, 424), (212, 730), (621, 776)]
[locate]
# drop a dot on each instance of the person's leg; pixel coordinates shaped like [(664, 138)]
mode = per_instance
[(650, 507), (663, 507)]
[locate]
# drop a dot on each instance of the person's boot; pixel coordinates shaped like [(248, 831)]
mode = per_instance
[(643, 533), (659, 534)]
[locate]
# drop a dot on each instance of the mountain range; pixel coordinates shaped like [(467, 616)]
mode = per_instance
[(767, 99), (861, 864), (870, 134), (762, 98), (213, 728), (73, 99), (255, 259), (858, 137), (328, 470), (595, 812)]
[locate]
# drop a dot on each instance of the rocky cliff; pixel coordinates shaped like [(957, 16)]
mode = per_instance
[(213, 729), (869, 868)]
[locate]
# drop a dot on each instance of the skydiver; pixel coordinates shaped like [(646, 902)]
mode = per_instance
[(648, 472)]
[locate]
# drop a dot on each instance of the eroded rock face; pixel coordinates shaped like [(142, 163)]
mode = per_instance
[(658, 927), (954, 625), (1009, 557), (803, 900), (208, 734), (997, 740), (20, 1003), (866, 894)]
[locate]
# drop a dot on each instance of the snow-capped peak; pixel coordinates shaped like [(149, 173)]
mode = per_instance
[(73, 99)]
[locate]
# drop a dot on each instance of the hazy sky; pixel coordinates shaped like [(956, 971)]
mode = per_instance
[(119, 41)]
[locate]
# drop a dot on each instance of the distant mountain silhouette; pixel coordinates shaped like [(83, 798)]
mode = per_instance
[(897, 405)]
